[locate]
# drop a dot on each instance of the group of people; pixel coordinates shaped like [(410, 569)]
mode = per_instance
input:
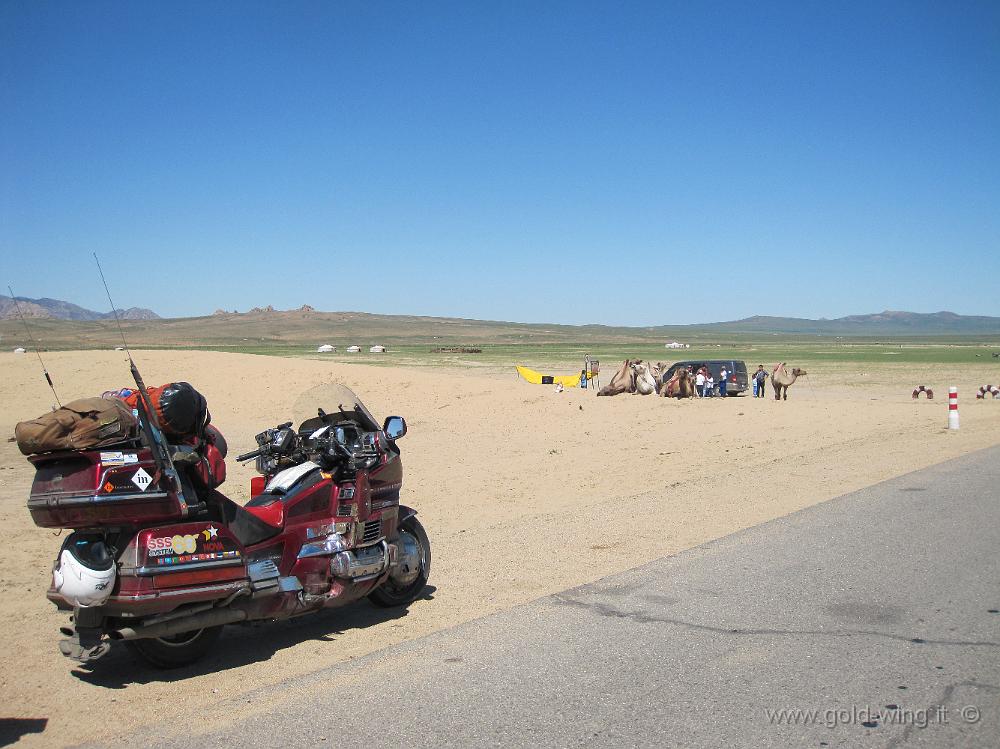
[(704, 382), (705, 385)]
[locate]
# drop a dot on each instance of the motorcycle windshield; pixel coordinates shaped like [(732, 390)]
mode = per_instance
[(338, 402)]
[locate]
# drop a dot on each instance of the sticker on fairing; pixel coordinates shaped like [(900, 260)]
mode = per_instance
[(131, 458), (113, 459), (202, 546), (142, 479)]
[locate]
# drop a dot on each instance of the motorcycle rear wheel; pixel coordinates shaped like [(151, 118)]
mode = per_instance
[(389, 594), (177, 651)]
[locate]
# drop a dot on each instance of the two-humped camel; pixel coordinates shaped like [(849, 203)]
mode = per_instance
[(634, 376), (623, 380), (781, 379), (680, 385)]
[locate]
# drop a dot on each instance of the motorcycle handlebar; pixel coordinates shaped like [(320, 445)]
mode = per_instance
[(263, 448), (247, 456)]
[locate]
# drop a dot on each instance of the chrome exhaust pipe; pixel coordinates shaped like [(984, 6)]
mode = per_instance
[(213, 618)]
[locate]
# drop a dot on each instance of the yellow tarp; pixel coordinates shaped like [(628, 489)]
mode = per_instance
[(567, 381)]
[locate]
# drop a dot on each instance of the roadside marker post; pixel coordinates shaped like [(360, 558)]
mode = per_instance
[(953, 408)]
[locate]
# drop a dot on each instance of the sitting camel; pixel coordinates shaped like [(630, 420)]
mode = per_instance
[(680, 385), (623, 380), (658, 370), (781, 379), (645, 384)]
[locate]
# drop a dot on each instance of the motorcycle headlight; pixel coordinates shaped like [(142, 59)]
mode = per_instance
[(340, 565), (327, 547)]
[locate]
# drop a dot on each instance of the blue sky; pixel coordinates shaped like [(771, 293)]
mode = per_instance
[(618, 163)]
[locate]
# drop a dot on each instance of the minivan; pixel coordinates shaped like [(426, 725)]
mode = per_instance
[(737, 383)]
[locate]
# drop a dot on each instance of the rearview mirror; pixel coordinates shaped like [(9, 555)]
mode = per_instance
[(395, 427)]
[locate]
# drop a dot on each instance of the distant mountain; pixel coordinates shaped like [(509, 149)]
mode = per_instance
[(882, 323), (8, 310), (890, 322), (66, 310), (305, 323)]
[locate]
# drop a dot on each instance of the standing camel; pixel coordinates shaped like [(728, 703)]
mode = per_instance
[(781, 379)]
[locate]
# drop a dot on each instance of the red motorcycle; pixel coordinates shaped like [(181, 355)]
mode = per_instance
[(162, 565)]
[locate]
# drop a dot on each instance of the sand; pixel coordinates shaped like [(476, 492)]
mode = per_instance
[(523, 491)]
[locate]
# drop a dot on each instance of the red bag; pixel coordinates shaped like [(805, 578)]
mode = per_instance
[(210, 471)]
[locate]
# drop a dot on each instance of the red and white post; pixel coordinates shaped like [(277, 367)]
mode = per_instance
[(953, 408)]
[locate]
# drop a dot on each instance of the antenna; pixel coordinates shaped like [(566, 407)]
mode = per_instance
[(31, 338), (114, 310), (150, 424)]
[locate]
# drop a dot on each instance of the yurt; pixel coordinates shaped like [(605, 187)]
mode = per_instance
[(353, 349), (377, 350), (326, 348)]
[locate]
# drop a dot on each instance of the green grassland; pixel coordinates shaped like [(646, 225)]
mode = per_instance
[(570, 356), (412, 341)]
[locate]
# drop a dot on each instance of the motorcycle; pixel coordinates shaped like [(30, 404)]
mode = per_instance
[(163, 566)]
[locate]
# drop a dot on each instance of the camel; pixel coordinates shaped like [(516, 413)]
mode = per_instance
[(658, 370), (680, 385), (623, 380), (780, 380), (645, 384)]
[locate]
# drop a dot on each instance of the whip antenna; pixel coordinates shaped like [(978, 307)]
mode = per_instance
[(31, 338), (149, 422), (114, 310)]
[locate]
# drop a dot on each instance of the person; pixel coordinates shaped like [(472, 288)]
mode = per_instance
[(723, 375), (710, 385), (699, 383), (759, 378)]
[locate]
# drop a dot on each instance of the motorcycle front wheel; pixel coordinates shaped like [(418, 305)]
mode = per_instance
[(409, 578), (178, 650)]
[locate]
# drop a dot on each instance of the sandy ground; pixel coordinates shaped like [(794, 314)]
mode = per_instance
[(523, 491)]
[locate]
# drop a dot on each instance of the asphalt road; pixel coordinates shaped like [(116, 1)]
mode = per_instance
[(874, 615)]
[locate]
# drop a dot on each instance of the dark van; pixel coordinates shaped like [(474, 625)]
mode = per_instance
[(737, 381)]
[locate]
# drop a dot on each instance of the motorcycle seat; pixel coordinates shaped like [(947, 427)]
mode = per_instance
[(246, 525), (268, 508)]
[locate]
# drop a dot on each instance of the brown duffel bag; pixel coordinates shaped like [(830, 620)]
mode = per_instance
[(82, 424)]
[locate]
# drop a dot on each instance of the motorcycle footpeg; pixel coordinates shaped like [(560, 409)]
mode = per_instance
[(73, 650)]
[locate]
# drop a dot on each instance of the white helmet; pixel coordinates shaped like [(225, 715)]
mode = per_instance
[(84, 573)]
